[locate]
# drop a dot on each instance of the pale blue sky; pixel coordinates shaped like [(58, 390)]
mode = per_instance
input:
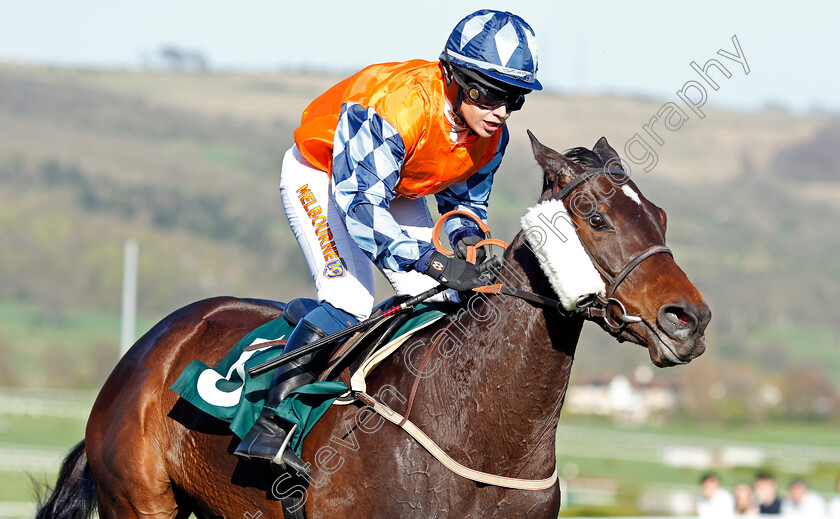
[(635, 48)]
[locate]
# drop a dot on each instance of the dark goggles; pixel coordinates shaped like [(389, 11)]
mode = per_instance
[(489, 98)]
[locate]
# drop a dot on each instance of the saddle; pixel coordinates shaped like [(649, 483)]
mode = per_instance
[(359, 347)]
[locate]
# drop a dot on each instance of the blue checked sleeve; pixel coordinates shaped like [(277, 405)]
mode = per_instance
[(471, 195), (368, 155)]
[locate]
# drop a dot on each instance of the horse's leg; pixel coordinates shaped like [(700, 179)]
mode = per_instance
[(130, 478), (127, 458), (109, 509)]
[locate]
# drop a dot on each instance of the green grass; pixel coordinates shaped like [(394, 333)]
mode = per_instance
[(633, 475), (16, 486), (799, 433), (47, 431), (813, 344), (76, 349), (42, 431), (815, 434), (62, 433), (23, 323)]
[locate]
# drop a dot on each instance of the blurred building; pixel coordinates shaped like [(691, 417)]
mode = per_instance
[(622, 400)]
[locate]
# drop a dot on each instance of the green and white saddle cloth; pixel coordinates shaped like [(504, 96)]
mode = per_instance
[(228, 393)]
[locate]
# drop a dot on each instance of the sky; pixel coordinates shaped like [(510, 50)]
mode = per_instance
[(642, 48)]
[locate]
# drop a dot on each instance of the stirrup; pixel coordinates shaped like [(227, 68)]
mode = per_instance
[(287, 460), (278, 458)]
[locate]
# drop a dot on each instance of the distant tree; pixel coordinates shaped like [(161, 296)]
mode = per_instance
[(7, 368), (813, 158), (730, 392), (809, 394), (182, 60), (698, 387)]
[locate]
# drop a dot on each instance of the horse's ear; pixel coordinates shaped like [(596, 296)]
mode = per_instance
[(607, 154), (555, 166)]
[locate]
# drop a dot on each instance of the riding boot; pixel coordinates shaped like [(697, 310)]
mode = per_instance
[(269, 437)]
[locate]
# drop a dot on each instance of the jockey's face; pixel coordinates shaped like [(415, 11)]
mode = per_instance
[(482, 121)]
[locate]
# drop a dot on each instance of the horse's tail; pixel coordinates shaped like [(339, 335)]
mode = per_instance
[(74, 495)]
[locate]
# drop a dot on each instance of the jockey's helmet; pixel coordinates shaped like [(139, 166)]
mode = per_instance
[(497, 46)]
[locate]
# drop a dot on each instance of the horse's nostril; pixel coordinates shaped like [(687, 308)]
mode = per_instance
[(677, 319), (681, 316)]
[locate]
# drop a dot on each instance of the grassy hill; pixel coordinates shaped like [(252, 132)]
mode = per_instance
[(188, 164)]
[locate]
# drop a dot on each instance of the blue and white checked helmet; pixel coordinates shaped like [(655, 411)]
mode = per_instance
[(496, 44)]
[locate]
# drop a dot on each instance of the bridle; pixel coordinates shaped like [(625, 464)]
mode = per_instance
[(598, 307)]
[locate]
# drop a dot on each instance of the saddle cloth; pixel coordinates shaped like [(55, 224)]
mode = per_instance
[(226, 392)]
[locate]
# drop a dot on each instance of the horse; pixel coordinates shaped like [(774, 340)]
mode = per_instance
[(491, 398)]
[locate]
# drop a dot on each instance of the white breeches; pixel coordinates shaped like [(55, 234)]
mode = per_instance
[(343, 274)]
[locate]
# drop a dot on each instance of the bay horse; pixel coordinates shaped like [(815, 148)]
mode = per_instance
[(492, 400)]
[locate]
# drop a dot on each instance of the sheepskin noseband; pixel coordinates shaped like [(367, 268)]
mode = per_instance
[(552, 237)]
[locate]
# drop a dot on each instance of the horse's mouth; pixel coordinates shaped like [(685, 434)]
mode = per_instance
[(664, 352)]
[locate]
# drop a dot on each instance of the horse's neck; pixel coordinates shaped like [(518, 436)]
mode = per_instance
[(507, 379)]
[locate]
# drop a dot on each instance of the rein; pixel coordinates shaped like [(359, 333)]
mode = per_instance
[(597, 307)]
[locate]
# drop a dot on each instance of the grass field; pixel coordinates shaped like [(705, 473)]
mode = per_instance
[(44, 430), (815, 434), (25, 434), (78, 348), (26, 324)]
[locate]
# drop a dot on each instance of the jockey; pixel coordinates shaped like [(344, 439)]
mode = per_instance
[(366, 153)]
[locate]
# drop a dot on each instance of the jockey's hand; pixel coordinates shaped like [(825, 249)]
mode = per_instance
[(461, 249), (490, 269), (452, 272)]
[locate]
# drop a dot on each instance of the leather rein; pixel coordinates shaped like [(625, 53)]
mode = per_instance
[(598, 307)]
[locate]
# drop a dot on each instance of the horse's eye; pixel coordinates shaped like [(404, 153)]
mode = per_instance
[(597, 221)]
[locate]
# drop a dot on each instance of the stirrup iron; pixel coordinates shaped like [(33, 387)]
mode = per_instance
[(278, 458)]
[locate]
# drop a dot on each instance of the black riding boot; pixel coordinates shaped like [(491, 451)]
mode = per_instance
[(269, 437)]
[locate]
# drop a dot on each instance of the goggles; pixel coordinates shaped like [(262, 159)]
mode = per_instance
[(489, 98)]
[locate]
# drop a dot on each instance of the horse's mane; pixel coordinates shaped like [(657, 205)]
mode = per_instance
[(581, 156), (584, 157)]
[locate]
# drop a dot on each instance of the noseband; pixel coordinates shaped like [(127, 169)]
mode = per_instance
[(600, 306)]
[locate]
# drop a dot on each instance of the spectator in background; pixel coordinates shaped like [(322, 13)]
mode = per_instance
[(834, 504), (766, 493), (803, 502), (714, 502), (744, 504)]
